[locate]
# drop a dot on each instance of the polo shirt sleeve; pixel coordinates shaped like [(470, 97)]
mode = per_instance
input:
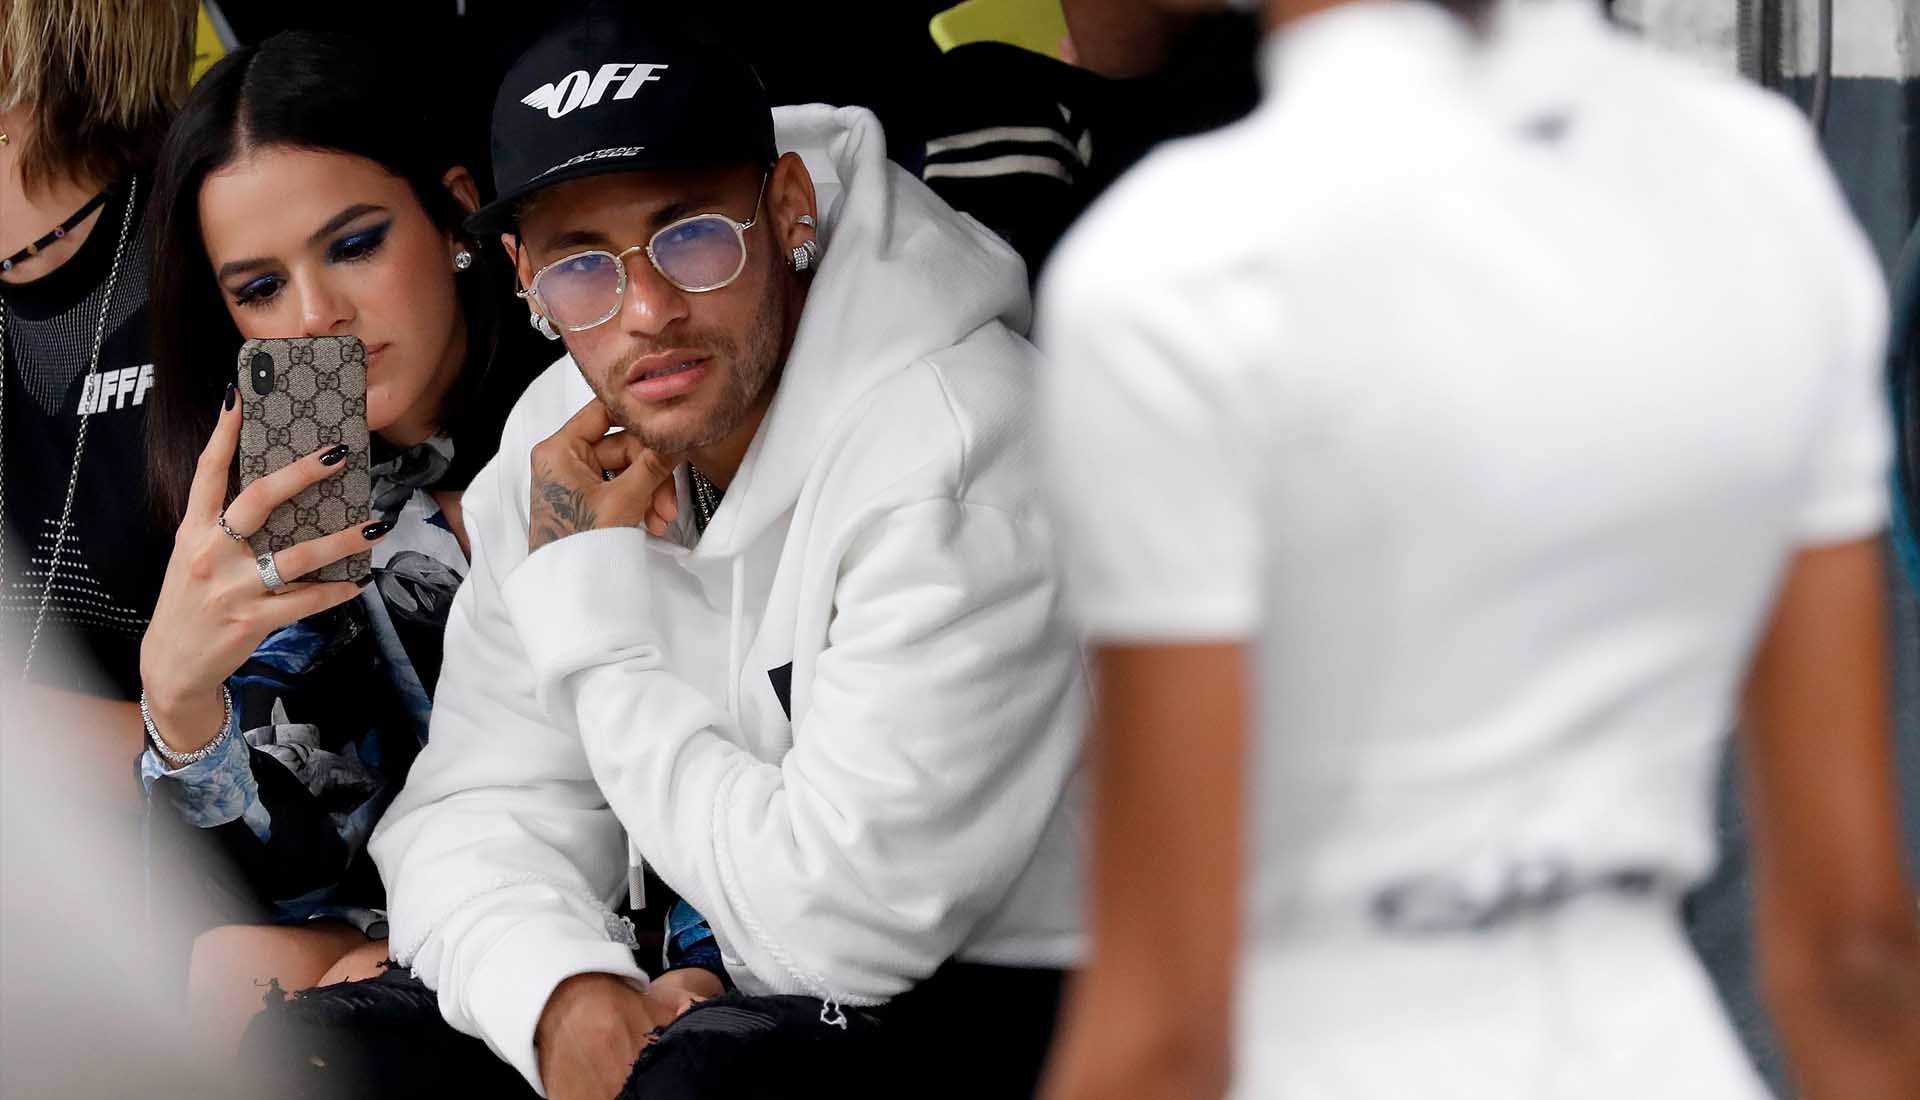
[(1847, 483), (1152, 465)]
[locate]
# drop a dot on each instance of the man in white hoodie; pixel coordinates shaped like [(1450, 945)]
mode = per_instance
[(791, 638)]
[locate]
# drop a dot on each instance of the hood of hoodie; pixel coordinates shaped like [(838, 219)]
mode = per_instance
[(901, 276)]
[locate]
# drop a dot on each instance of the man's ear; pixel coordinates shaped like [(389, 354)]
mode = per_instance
[(460, 181), (522, 265), (790, 195), (517, 255)]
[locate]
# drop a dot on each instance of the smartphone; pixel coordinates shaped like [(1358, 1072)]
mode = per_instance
[(298, 395)]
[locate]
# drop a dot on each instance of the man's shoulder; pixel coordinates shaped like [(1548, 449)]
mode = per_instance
[(947, 422), (1711, 119), (1748, 155), (1178, 208), (1274, 188)]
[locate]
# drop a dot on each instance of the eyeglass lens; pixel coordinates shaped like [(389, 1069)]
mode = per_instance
[(581, 290), (700, 253)]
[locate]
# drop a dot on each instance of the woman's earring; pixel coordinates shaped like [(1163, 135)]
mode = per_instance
[(804, 255), (462, 260), (542, 326)]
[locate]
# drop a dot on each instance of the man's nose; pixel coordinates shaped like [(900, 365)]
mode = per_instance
[(650, 303)]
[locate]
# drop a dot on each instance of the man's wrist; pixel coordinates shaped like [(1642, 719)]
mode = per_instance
[(572, 989), (558, 510)]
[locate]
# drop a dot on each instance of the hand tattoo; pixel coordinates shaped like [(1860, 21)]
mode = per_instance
[(559, 510)]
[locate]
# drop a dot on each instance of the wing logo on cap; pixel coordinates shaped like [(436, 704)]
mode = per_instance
[(541, 98), (580, 89)]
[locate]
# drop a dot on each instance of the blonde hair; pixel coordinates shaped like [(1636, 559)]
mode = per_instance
[(101, 79)]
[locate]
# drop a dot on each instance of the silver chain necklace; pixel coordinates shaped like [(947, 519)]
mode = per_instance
[(79, 445), (706, 498)]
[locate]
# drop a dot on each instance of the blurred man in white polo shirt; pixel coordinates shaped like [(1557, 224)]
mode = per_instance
[(1462, 444)]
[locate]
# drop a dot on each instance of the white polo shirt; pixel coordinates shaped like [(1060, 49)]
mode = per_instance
[(1485, 386)]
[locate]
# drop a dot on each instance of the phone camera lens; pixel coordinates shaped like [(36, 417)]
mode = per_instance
[(262, 373)]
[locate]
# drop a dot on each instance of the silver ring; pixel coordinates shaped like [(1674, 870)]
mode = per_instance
[(269, 573), (806, 220), (221, 520)]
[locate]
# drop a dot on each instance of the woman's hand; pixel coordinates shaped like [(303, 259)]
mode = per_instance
[(214, 609)]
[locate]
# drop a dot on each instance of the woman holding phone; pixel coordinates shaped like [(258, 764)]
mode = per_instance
[(298, 195)]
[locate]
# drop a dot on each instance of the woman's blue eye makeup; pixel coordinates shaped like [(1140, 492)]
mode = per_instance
[(256, 292), (348, 248), (359, 244)]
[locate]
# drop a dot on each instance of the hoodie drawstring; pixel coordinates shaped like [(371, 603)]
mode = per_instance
[(736, 614)]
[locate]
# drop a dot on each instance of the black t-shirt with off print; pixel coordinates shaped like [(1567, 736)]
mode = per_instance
[(114, 554)]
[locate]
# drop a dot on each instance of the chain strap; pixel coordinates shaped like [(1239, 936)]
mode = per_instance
[(79, 446)]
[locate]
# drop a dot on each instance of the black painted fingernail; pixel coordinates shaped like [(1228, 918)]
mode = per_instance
[(374, 530), (333, 456), (233, 391)]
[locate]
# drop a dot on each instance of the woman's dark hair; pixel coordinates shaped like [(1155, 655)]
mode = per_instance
[(306, 90)]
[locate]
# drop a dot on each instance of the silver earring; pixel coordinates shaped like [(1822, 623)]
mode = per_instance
[(542, 326), (462, 260), (804, 255)]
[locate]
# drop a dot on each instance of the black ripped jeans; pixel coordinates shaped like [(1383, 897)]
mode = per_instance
[(969, 1030)]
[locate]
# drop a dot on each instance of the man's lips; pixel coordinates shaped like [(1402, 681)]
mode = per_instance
[(661, 363), (666, 374)]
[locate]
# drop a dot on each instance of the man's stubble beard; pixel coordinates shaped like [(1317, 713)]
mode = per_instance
[(755, 366)]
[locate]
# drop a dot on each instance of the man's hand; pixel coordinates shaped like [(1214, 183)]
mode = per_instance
[(585, 479), (589, 1034), (678, 990)]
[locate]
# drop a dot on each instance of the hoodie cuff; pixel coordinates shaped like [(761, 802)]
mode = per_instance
[(580, 602), (508, 991)]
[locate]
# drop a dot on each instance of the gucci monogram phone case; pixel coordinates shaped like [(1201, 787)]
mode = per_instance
[(297, 396)]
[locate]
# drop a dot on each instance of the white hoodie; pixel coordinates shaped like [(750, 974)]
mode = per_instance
[(880, 559)]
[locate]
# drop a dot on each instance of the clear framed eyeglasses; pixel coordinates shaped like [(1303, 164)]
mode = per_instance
[(698, 254)]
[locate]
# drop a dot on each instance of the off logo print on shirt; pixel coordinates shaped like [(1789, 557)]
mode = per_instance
[(128, 385)]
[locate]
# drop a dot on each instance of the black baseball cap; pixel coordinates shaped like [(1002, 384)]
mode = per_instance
[(608, 94)]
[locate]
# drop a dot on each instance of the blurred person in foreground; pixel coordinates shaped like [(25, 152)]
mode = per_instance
[(1447, 454), (86, 1003), (86, 91)]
